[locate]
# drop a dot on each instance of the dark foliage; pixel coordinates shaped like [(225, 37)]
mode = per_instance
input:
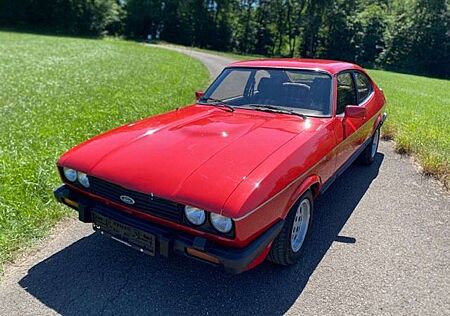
[(404, 35), (76, 17)]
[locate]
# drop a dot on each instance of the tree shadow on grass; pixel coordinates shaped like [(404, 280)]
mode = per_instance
[(96, 275)]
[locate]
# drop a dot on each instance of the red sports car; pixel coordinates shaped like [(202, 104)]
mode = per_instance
[(230, 180)]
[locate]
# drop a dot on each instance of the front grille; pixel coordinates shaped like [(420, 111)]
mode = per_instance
[(146, 203)]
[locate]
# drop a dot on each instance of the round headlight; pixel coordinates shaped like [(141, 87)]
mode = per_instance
[(83, 179), (195, 215), (222, 223), (70, 174)]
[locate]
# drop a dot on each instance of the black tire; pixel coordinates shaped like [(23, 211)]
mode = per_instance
[(368, 155), (281, 251)]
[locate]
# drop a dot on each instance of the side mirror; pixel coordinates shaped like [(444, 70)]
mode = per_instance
[(355, 111), (198, 95)]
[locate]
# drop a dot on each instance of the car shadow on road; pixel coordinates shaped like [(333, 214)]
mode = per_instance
[(96, 275)]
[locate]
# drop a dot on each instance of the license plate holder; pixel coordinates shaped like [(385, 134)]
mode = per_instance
[(125, 234)]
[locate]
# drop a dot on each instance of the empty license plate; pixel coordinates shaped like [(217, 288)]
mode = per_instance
[(125, 234)]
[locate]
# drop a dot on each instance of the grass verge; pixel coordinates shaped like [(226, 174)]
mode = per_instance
[(59, 91), (419, 119)]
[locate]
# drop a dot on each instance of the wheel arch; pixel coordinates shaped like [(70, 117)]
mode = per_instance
[(312, 182)]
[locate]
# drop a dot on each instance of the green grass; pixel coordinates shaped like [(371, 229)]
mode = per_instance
[(56, 92), (419, 119)]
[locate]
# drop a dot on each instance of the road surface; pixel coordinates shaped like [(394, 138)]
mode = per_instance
[(381, 245)]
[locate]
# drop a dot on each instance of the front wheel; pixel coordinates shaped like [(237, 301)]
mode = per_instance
[(368, 155), (287, 246)]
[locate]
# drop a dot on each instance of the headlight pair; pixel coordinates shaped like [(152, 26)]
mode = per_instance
[(73, 175), (198, 216)]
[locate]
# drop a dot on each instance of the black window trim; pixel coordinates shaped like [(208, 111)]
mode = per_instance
[(362, 102), (350, 71)]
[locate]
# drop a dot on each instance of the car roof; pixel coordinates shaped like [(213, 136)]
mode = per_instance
[(330, 66)]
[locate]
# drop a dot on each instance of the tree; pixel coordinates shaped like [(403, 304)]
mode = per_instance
[(144, 17), (368, 30), (80, 17), (265, 32), (405, 35), (335, 39), (246, 26), (417, 38), (311, 26)]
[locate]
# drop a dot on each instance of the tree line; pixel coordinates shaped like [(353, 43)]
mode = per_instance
[(403, 35)]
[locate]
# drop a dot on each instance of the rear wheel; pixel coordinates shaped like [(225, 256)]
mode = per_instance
[(368, 155), (287, 246)]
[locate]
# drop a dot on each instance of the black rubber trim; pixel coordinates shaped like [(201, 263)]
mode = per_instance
[(383, 119), (85, 205), (233, 260)]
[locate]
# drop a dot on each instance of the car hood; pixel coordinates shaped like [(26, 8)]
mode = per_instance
[(196, 155)]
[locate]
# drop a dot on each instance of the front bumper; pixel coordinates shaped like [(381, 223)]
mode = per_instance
[(167, 240)]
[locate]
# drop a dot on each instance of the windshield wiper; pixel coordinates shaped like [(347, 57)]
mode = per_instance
[(275, 109), (217, 102)]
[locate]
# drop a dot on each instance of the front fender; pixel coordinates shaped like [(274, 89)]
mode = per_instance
[(312, 181)]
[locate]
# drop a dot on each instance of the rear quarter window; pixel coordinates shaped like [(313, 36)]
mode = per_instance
[(346, 92), (363, 87)]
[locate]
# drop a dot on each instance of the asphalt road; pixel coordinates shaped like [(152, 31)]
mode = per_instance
[(381, 245)]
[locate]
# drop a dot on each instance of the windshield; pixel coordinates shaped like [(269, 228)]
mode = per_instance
[(303, 91)]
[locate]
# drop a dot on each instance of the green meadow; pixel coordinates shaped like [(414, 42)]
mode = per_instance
[(58, 91), (419, 119)]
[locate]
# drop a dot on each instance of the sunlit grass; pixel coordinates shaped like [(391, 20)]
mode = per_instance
[(419, 119), (56, 92)]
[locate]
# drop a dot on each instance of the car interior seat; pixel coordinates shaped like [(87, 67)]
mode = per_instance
[(269, 91)]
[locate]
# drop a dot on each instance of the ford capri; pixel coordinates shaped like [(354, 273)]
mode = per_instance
[(231, 179)]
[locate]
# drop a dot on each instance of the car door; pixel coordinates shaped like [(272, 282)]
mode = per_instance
[(365, 98), (346, 95), (353, 88)]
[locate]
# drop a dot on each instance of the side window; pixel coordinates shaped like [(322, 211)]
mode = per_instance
[(363, 87), (346, 94)]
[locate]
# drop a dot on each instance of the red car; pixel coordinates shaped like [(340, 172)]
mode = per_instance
[(230, 180)]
